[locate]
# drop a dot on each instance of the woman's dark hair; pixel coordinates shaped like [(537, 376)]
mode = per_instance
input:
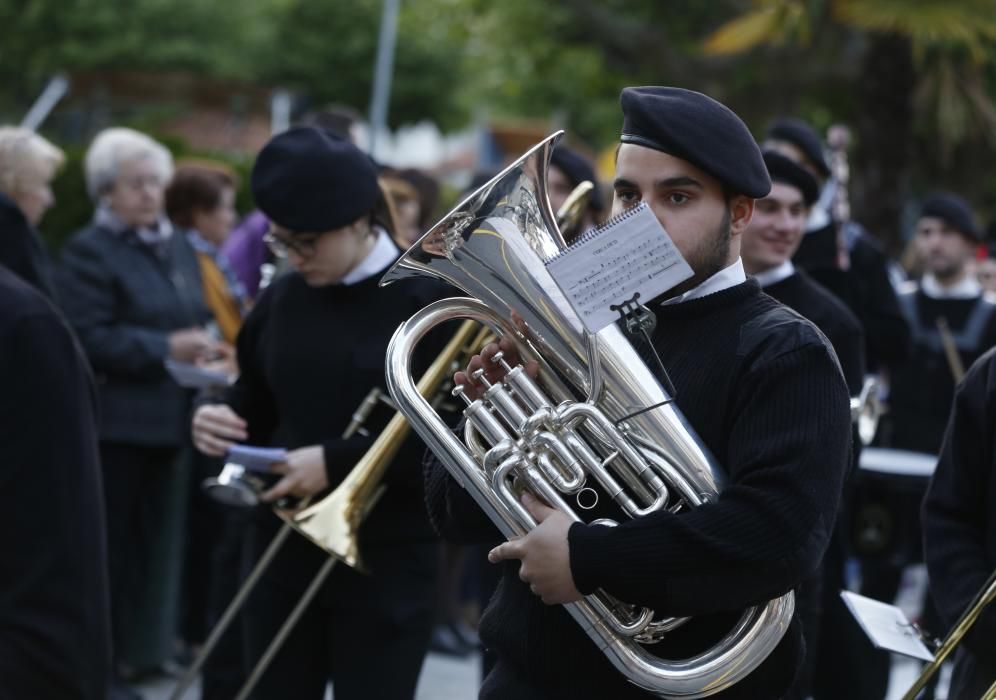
[(197, 186)]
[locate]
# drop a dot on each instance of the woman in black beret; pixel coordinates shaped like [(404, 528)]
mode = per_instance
[(309, 352)]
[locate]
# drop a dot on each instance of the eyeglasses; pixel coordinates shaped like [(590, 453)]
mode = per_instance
[(301, 244)]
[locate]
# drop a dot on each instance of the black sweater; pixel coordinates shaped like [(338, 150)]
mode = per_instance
[(959, 515), (764, 392), (308, 357), (841, 327)]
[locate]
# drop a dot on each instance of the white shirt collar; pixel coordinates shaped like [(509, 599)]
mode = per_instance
[(775, 275), (383, 253), (968, 288), (724, 279)]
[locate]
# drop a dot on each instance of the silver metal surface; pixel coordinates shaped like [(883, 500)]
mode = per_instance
[(620, 428)]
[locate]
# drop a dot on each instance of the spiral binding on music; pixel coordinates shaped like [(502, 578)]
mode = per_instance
[(596, 231)]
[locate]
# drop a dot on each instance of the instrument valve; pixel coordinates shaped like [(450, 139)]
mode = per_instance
[(461, 391), (499, 358), (479, 377)]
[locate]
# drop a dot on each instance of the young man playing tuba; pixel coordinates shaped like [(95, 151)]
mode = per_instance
[(758, 383)]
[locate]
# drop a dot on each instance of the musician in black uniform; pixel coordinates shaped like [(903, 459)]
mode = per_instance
[(768, 244), (959, 524), (761, 387), (841, 255), (946, 238), (309, 352), (923, 386)]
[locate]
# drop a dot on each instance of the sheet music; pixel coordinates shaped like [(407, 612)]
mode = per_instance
[(629, 254), (886, 626)]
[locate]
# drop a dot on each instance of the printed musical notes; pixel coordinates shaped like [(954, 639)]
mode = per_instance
[(628, 254)]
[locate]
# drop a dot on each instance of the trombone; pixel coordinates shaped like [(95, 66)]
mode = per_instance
[(984, 597), (333, 523)]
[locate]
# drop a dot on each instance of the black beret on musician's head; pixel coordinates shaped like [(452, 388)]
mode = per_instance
[(954, 211), (696, 128), (311, 180), (802, 136), (785, 170), (577, 169)]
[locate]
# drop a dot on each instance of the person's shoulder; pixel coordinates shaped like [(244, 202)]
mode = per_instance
[(980, 379), (774, 330), (833, 311), (21, 304), (89, 241)]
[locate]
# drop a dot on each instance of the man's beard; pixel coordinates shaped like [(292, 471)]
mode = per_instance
[(708, 261), (947, 270)]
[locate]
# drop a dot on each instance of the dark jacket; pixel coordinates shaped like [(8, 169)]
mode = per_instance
[(22, 251), (54, 625), (959, 524), (124, 301)]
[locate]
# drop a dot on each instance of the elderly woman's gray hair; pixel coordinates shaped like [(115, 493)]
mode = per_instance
[(113, 147), (25, 157)]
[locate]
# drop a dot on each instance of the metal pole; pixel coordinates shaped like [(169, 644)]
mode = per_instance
[(280, 111), (231, 611), (53, 92), (288, 627), (383, 71)]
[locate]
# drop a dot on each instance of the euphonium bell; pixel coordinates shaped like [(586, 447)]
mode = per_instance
[(596, 415)]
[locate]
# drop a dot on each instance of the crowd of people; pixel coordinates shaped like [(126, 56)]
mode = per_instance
[(792, 305)]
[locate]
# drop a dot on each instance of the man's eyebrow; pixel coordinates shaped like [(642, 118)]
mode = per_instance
[(678, 181), (623, 182)]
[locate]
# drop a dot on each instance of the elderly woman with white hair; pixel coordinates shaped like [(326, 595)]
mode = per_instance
[(132, 291), (28, 163)]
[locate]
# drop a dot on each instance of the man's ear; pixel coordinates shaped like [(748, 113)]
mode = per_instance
[(741, 212)]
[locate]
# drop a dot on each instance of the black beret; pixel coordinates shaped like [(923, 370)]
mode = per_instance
[(577, 169), (784, 169), (696, 128), (309, 179), (802, 136), (954, 211)]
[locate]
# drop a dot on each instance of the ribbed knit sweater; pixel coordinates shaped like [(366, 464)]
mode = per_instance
[(762, 388)]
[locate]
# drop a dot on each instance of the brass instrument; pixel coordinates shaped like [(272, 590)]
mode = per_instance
[(626, 436), (570, 216), (985, 596), (332, 523)]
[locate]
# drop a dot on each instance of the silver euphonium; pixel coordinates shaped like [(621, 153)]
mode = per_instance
[(596, 415)]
